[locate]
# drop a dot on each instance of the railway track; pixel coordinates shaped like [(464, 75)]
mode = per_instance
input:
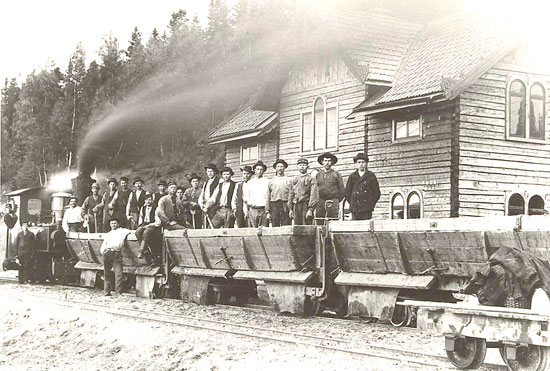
[(403, 357)]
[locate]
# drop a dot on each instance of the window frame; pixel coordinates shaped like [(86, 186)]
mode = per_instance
[(528, 83), (406, 195), (528, 201), (419, 194), (403, 196), (507, 205), (311, 112), (250, 161), (408, 138)]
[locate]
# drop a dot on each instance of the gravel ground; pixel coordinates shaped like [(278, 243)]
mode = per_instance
[(39, 335)]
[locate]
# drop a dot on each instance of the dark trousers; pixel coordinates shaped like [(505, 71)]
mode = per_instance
[(279, 213), (223, 218), (257, 218), (133, 223), (25, 268), (362, 215), (112, 260), (149, 238), (321, 211), (300, 210), (173, 227)]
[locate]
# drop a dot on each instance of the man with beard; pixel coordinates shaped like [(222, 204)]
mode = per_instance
[(108, 204), (170, 210), (362, 190), (91, 212), (242, 214), (136, 200), (193, 212), (223, 202), (278, 191), (161, 192), (148, 231), (304, 195)]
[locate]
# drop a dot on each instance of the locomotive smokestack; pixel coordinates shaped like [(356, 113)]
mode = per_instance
[(81, 187)]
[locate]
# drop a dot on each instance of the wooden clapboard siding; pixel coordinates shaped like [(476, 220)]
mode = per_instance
[(267, 152), (490, 166), (329, 77), (423, 165)]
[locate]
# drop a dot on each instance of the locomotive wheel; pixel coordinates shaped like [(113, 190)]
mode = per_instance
[(402, 316), (529, 358), (469, 353)]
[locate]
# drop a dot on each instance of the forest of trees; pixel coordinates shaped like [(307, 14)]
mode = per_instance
[(46, 117)]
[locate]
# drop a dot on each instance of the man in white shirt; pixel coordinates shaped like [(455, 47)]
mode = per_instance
[(223, 201), (111, 249), (279, 190), (73, 219), (135, 202), (256, 195)]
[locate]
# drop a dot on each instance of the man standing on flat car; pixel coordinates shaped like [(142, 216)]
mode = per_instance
[(278, 190), (209, 187), (160, 194), (193, 212), (170, 210), (121, 201), (72, 218), (362, 190), (223, 202), (331, 187), (136, 200), (107, 204), (256, 197), (242, 214), (92, 213), (303, 196), (25, 251)]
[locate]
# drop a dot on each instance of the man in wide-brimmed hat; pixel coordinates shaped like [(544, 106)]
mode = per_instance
[(93, 214), (362, 189), (304, 195), (161, 192), (242, 214), (331, 187), (223, 202), (278, 190), (256, 195), (135, 203), (209, 187), (108, 203), (193, 212)]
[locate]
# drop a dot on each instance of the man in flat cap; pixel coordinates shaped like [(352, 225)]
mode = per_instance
[(161, 192), (242, 214), (136, 200), (193, 212), (223, 202), (108, 204), (278, 190), (208, 188), (170, 210), (304, 195), (92, 213), (256, 195), (331, 187), (362, 189)]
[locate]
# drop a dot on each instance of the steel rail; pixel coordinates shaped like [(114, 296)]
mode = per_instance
[(176, 320)]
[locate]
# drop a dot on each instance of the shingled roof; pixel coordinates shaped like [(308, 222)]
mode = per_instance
[(446, 53), (245, 123)]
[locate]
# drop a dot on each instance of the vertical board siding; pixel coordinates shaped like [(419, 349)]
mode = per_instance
[(490, 166), (423, 165)]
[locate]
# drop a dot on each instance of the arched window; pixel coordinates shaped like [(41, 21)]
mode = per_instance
[(413, 206), (320, 126), (536, 111), (516, 104), (516, 205), (536, 206), (397, 206)]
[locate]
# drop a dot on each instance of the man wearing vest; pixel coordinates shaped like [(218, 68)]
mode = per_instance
[(136, 200), (170, 209), (160, 194), (331, 187), (362, 190), (209, 187), (279, 189), (108, 204), (242, 213), (223, 202), (93, 215), (148, 230), (193, 212), (121, 203)]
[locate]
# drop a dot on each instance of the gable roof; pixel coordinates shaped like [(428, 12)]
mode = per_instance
[(447, 56), (246, 123)]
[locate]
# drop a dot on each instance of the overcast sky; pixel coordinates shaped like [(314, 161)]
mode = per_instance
[(34, 32)]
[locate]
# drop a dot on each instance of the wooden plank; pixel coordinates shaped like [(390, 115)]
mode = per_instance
[(295, 277), (389, 280)]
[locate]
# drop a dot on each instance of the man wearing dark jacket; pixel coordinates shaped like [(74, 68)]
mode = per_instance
[(362, 190), (25, 247)]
